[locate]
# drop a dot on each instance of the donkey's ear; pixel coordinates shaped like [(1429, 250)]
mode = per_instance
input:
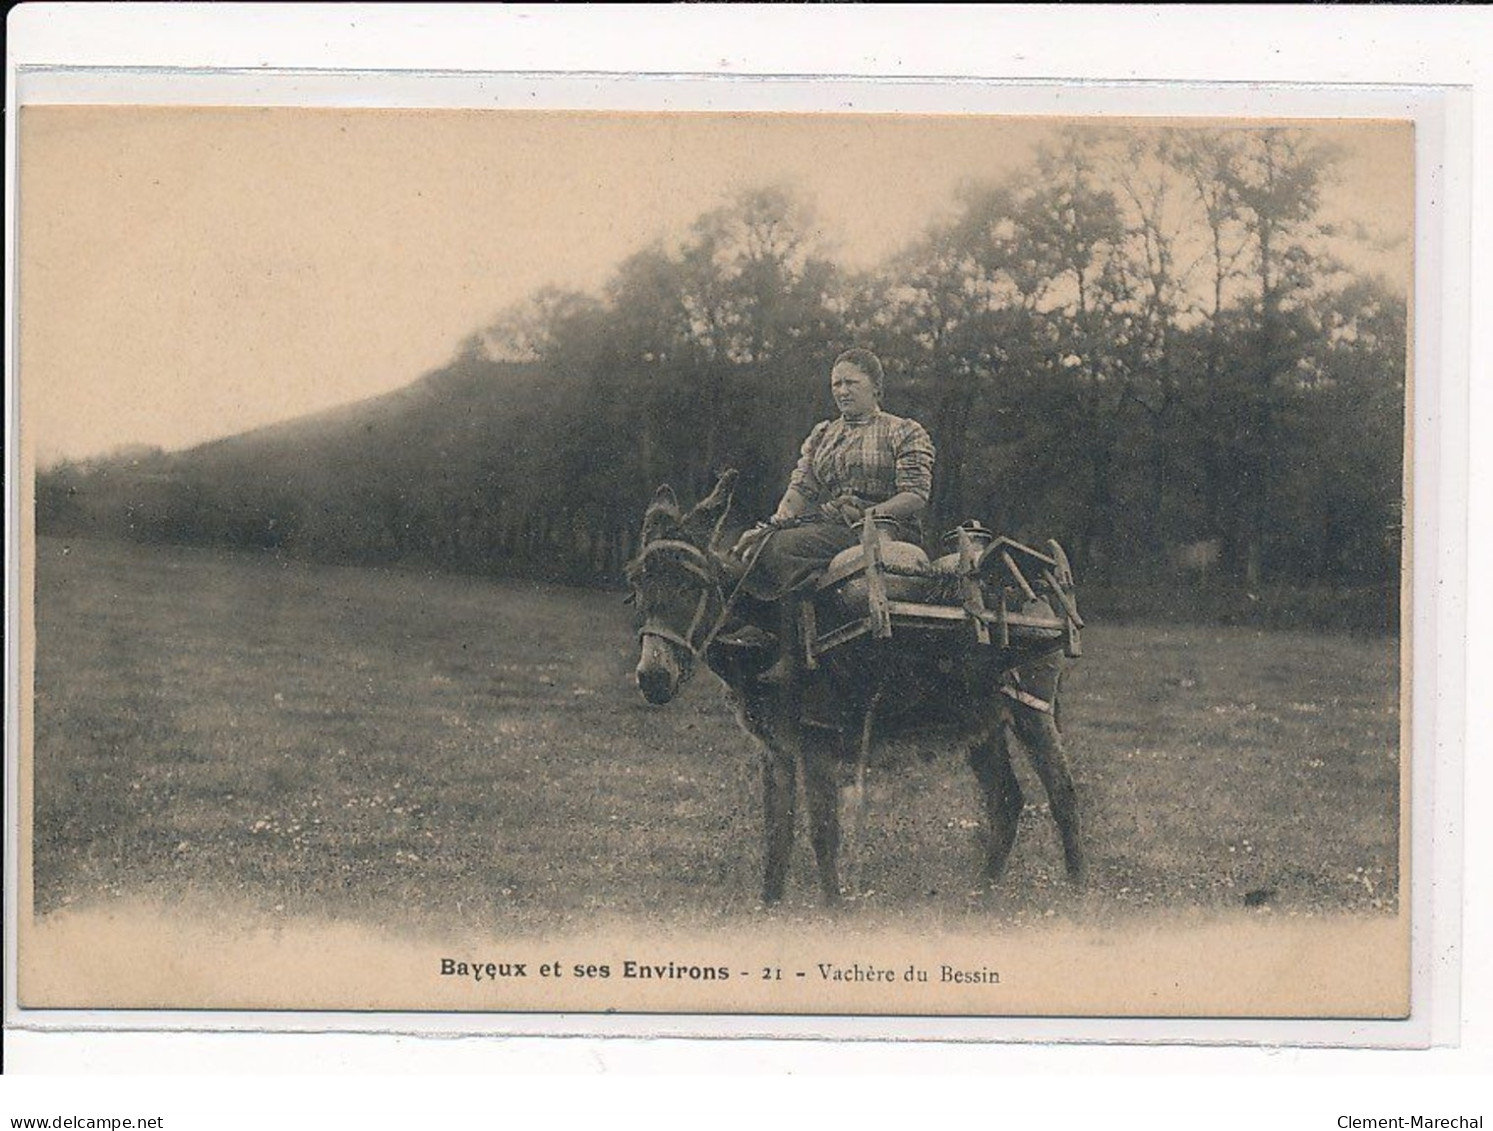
[(720, 497), (714, 507), (665, 495)]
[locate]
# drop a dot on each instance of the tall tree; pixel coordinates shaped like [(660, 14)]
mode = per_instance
[(1260, 191)]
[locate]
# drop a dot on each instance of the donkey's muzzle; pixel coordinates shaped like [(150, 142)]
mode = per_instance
[(657, 685), (658, 671)]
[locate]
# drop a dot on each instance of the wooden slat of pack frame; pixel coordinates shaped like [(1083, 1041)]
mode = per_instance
[(970, 589), (1066, 601), (1020, 578), (1035, 560), (930, 612), (939, 618), (1072, 622), (1029, 623), (876, 598), (1002, 619), (1072, 641), (917, 610), (843, 635)]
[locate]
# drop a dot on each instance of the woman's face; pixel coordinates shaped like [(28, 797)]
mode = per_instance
[(853, 389)]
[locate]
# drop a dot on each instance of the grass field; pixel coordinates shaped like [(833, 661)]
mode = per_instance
[(384, 746)]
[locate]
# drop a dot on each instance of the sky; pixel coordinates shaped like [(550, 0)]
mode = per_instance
[(187, 273)]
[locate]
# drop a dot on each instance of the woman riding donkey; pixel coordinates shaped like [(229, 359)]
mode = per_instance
[(866, 463)]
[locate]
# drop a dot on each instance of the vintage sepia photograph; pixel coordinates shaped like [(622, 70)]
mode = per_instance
[(808, 565)]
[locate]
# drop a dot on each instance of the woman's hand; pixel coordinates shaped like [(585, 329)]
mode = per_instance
[(751, 537), (845, 508)]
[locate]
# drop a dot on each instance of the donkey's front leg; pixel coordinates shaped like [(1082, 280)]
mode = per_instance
[(822, 791), (779, 791)]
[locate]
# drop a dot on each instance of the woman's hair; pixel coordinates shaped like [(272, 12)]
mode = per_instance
[(867, 362)]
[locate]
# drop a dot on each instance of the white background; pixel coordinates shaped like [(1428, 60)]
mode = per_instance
[(1044, 1084)]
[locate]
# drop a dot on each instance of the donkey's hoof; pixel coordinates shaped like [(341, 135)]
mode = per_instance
[(993, 873)]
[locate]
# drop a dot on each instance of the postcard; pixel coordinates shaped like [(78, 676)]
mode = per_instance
[(512, 563)]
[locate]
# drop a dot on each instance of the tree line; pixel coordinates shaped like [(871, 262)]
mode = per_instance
[(1141, 343)]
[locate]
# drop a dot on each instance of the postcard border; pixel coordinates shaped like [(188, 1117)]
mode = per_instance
[(1441, 321)]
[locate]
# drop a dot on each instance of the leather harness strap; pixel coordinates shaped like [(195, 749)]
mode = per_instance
[(1026, 699), (703, 572), (695, 563)]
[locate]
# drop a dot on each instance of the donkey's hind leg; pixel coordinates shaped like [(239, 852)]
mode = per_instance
[(990, 758), (1038, 731), (779, 790)]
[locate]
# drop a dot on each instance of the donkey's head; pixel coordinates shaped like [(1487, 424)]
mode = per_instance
[(676, 586)]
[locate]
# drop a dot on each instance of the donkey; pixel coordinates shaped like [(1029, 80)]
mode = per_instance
[(686, 591)]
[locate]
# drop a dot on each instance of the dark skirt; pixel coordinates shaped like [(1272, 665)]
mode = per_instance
[(794, 555)]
